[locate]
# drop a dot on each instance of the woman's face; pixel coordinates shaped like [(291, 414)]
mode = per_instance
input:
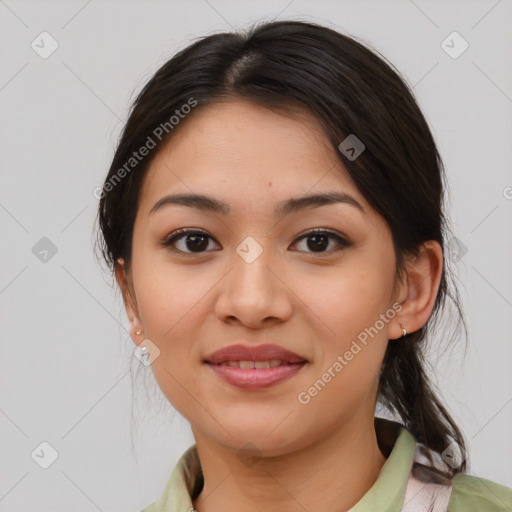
[(253, 278)]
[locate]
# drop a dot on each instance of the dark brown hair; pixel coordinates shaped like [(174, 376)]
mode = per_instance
[(349, 89)]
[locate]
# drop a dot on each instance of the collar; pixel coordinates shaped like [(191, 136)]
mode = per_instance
[(386, 495)]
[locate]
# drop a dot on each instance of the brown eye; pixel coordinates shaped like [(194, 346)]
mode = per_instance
[(318, 240), (192, 241)]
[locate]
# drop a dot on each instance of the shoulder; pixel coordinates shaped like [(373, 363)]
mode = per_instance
[(471, 493), (184, 483)]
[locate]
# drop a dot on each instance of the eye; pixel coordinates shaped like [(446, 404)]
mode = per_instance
[(318, 240), (197, 241), (194, 240)]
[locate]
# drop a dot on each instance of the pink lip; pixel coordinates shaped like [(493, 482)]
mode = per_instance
[(253, 353), (255, 378)]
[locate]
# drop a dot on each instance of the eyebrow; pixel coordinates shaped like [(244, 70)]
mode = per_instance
[(286, 207)]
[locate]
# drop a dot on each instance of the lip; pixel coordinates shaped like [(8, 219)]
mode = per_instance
[(253, 353), (255, 378)]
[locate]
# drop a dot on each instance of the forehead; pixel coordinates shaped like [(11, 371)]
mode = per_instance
[(248, 151)]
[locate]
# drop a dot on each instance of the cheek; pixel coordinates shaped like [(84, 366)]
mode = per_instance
[(170, 305), (347, 308), (170, 302), (347, 300), (168, 298)]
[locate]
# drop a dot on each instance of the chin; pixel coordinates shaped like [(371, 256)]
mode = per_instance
[(260, 436)]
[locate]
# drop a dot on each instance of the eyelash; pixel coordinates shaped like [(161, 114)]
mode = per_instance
[(181, 233)]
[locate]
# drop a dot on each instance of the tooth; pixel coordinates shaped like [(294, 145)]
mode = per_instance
[(274, 362), (234, 364), (246, 364), (262, 364)]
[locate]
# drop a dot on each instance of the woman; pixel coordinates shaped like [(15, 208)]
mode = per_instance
[(274, 218)]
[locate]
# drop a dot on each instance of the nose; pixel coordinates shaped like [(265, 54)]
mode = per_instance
[(254, 293)]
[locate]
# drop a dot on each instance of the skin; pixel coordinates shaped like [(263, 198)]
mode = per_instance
[(313, 303)]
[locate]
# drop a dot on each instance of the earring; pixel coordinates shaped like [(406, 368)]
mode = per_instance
[(403, 330), (138, 332)]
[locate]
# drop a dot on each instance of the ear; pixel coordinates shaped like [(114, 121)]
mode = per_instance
[(123, 279), (418, 289)]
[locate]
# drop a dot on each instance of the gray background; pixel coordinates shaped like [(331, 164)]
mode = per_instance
[(65, 352)]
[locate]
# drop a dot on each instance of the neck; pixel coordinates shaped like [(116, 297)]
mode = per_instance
[(331, 474)]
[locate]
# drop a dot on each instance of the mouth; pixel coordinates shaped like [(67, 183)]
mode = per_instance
[(246, 365), (254, 367), (243, 353), (245, 374)]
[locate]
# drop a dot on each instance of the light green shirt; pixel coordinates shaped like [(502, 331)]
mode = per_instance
[(387, 494)]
